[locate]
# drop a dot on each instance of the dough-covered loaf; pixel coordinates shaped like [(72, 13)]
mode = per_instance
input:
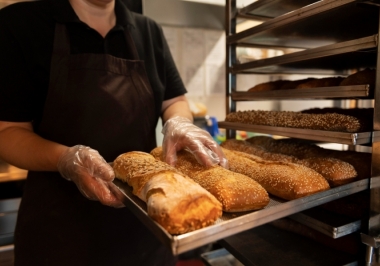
[(173, 200), (235, 191)]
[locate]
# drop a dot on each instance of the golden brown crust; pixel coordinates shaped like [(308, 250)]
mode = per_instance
[(335, 171), (305, 151), (173, 200), (235, 191), (285, 180)]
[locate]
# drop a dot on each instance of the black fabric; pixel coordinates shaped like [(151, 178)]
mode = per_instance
[(106, 103), (27, 32)]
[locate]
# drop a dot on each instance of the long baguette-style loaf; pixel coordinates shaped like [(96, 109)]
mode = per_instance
[(335, 171), (173, 200), (235, 191), (315, 154), (284, 180)]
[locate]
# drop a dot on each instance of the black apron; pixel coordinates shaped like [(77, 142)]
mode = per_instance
[(106, 103)]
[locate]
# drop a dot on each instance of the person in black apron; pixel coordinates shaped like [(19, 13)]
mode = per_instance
[(97, 107)]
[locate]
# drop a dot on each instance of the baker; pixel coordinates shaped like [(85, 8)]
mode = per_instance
[(83, 81)]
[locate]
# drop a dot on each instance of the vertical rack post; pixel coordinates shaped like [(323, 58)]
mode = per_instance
[(372, 240), (230, 60)]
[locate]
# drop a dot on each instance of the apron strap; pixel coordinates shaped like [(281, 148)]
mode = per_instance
[(61, 40), (131, 44)]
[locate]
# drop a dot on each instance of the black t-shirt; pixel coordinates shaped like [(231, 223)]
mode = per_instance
[(26, 44)]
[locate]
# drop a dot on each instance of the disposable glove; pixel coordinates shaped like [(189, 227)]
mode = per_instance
[(91, 173), (180, 133)]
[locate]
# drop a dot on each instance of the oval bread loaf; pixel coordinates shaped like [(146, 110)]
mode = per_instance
[(173, 200), (285, 180)]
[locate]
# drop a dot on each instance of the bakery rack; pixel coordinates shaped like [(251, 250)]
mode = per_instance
[(332, 38)]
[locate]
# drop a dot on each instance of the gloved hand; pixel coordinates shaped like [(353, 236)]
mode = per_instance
[(180, 133), (91, 173)]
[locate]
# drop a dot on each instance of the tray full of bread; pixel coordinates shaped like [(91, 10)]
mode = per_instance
[(188, 205)]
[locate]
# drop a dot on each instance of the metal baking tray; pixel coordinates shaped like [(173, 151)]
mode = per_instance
[(309, 134), (322, 23), (338, 56), (220, 257), (272, 8), (233, 223), (355, 91), (334, 226)]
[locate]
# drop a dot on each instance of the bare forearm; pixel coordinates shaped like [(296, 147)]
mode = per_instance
[(176, 107), (25, 149)]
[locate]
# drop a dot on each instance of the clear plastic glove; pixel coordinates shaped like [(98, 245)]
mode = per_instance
[(91, 173), (180, 133)]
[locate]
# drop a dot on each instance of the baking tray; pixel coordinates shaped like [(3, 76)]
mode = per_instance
[(233, 223), (309, 134), (327, 223), (343, 55), (354, 91)]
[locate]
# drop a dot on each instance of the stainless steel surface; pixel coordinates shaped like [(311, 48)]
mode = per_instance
[(309, 134), (332, 231), (220, 257), (230, 60), (273, 8), (357, 91), (325, 22), (356, 52), (233, 223)]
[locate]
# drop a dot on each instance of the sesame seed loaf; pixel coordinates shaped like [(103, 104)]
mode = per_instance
[(282, 179), (308, 151), (235, 191), (335, 171), (326, 121), (173, 200)]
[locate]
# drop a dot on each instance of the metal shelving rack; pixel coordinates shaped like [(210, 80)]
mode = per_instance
[(334, 36)]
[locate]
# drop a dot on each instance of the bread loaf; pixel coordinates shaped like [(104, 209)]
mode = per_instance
[(285, 180), (328, 121), (173, 200), (235, 191), (335, 171), (269, 86), (321, 82)]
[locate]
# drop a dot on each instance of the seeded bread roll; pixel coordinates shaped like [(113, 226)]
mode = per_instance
[(235, 191), (173, 200), (335, 171), (285, 180)]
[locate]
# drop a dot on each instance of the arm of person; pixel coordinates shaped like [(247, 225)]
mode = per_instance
[(21, 147), (180, 133)]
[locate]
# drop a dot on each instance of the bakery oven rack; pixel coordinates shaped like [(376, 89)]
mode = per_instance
[(329, 37)]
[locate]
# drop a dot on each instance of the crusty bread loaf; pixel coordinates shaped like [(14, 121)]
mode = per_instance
[(366, 76), (320, 82), (235, 191), (302, 150), (173, 200), (269, 86), (335, 171), (285, 180)]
